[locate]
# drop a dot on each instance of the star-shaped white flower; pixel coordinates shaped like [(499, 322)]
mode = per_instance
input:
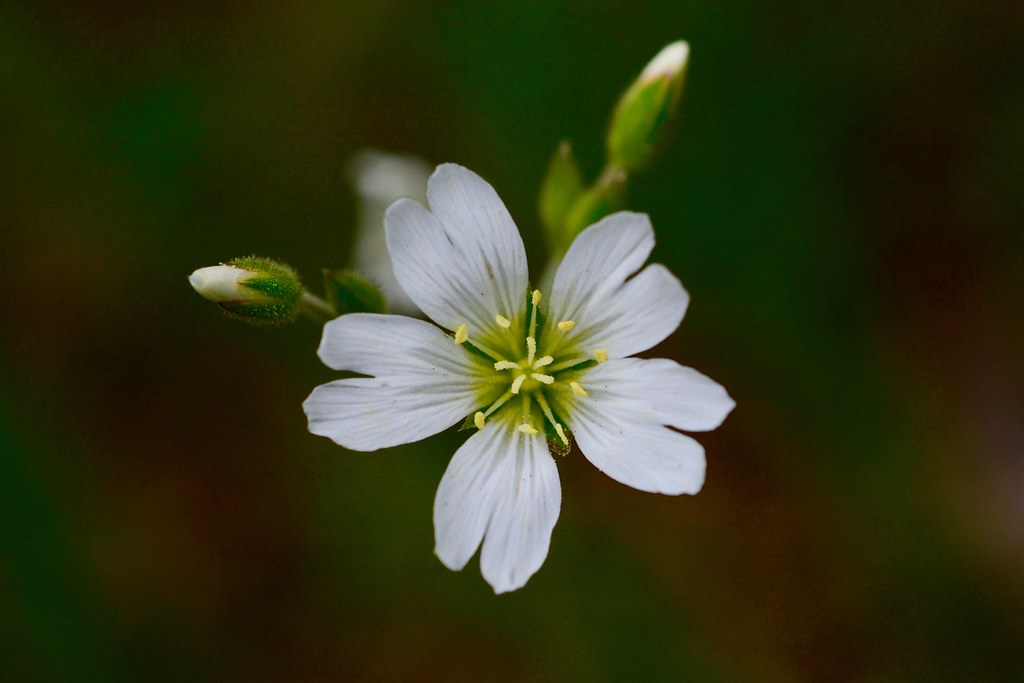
[(520, 370)]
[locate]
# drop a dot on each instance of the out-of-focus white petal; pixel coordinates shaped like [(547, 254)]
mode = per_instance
[(422, 384), (622, 317), (463, 261), (620, 425), (379, 179), (501, 487)]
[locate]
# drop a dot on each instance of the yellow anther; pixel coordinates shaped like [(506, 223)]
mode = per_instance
[(531, 350), (536, 297), (503, 321), (517, 384), (566, 325), (527, 429), (601, 355), (506, 365), (461, 334), (577, 389), (561, 434), (541, 362), (546, 379), (478, 420)]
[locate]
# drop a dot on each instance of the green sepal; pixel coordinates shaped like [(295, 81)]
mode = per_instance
[(278, 290), (606, 197), (562, 186), (264, 314), (349, 292)]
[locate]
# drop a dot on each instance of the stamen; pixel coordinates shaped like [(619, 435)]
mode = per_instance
[(561, 434), (532, 332), (503, 321), (546, 379), (541, 362), (545, 408), (517, 384), (527, 429), (461, 334), (486, 351), (478, 420), (577, 389), (497, 404), (568, 363), (601, 355), (566, 325), (531, 350), (506, 365)]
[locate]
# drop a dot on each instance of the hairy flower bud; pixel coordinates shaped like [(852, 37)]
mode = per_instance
[(252, 289), (348, 292), (560, 189), (641, 119)]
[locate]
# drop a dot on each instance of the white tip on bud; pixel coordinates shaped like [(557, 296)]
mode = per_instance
[(667, 63), (225, 283)]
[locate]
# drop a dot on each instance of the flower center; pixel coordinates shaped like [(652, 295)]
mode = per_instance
[(534, 389)]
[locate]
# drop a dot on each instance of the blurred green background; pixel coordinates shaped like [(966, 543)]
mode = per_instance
[(843, 201)]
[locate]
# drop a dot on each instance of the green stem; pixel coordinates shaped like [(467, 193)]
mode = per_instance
[(316, 308)]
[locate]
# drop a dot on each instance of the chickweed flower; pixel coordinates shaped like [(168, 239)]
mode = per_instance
[(530, 372)]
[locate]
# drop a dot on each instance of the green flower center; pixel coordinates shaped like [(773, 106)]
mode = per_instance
[(529, 371)]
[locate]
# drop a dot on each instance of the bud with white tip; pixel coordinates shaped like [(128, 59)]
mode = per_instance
[(644, 113), (253, 289)]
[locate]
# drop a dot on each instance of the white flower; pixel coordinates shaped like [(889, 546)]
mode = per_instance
[(525, 371)]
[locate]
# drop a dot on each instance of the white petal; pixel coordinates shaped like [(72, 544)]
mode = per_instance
[(645, 310), (590, 288), (423, 383), (374, 344), (620, 424), (661, 391), (463, 261), (370, 413), (645, 456), (500, 487)]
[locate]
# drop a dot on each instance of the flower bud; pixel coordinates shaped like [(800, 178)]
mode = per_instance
[(348, 292), (562, 186), (642, 117), (252, 289)]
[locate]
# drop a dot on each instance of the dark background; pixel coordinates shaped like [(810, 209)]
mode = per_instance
[(843, 201)]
